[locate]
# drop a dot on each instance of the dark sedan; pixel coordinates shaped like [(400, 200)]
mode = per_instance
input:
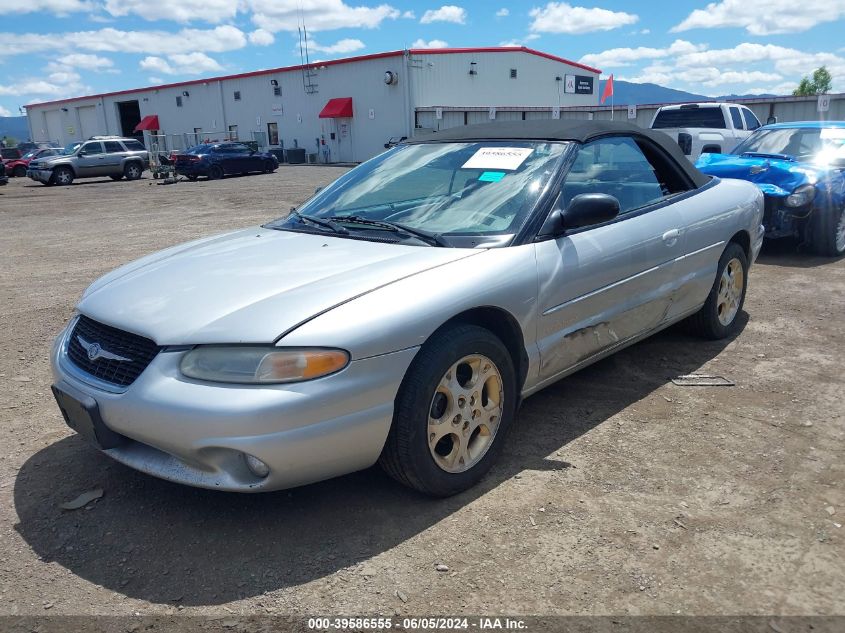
[(215, 160)]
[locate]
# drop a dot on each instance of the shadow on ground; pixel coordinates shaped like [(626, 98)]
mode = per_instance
[(162, 542), (788, 253)]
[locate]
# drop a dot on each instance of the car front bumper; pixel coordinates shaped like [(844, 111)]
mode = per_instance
[(197, 433), (40, 175)]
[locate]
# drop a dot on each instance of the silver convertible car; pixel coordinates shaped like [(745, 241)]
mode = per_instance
[(402, 313)]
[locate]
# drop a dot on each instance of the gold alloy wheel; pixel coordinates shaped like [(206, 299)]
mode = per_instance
[(731, 285), (465, 413)]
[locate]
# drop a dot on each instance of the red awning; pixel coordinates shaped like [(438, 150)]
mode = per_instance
[(148, 123), (339, 108)]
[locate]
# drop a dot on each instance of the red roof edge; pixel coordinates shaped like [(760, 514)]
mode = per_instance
[(503, 49), (331, 62)]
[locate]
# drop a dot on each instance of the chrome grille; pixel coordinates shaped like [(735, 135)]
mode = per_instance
[(114, 345)]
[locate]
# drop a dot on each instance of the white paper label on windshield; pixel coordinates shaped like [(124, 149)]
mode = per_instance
[(507, 158)]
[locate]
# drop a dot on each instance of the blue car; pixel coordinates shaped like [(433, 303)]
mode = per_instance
[(800, 168), (215, 160)]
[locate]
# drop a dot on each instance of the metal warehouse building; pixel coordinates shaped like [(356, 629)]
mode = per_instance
[(341, 111)]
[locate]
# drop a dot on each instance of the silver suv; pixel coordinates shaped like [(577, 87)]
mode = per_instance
[(98, 156)]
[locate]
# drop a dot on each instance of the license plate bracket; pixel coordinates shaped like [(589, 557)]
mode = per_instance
[(82, 413)]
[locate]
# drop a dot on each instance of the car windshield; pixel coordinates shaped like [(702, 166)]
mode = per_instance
[(483, 188), (817, 145), (30, 154), (198, 149), (70, 148)]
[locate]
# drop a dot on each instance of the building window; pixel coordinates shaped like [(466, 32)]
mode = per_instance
[(233, 132), (237, 95), (513, 73), (178, 102), (277, 91), (273, 133)]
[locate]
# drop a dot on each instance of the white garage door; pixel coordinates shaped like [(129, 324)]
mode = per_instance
[(53, 124), (88, 121)]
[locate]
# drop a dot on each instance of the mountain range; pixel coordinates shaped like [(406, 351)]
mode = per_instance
[(627, 93), (14, 127)]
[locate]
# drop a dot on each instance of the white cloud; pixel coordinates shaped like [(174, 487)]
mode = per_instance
[(156, 80), (83, 61), (260, 37), (60, 85), (512, 43), (745, 68), (421, 43), (560, 17), (409, 15), (5, 112), (217, 40), (181, 64), (503, 13), (318, 15), (55, 7), (446, 13), (618, 57), (179, 11), (348, 45), (764, 17)]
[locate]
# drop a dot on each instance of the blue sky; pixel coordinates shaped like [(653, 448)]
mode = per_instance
[(59, 48)]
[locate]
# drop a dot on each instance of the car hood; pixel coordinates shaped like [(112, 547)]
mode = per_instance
[(250, 286), (774, 176), (47, 160)]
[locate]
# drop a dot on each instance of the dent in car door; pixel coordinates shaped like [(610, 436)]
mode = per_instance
[(604, 285)]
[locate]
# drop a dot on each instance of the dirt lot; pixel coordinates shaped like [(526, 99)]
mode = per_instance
[(618, 492)]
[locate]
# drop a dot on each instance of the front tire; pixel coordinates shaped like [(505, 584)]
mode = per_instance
[(132, 171), (19, 171), (63, 176), (215, 172), (269, 167), (717, 319), (828, 237), (452, 413)]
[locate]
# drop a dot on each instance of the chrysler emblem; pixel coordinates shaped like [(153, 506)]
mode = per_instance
[(95, 351)]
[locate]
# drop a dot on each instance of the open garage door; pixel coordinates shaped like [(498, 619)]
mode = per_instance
[(129, 113)]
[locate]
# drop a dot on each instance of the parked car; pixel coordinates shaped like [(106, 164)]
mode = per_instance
[(216, 160), (18, 166), (4, 179), (701, 128), (404, 311), (9, 153), (116, 157), (800, 168)]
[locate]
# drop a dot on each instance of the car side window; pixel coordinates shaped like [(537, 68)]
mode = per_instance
[(91, 148), (113, 147), (134, 146), (736, 117), (751, 121), (240, 148), (618, 167)]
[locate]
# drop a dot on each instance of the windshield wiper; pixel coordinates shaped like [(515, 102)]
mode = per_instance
[(326, 224), (434, 239), (768, 155)]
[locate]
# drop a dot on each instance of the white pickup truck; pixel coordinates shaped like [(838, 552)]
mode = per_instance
[(702, 128)]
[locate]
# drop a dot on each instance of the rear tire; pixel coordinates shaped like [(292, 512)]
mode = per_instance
[(828, 232), (717, 319), (452, 413), (192, 177), (62, 176), (132, 171), (19, 171), (215, 172)]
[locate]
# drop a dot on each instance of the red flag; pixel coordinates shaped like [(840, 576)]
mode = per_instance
[(608, 89)]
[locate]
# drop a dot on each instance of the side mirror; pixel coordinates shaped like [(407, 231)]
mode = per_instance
[(587, 209), (771, 119)]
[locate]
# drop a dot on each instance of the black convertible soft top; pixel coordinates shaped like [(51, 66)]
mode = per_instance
[(564, 130)]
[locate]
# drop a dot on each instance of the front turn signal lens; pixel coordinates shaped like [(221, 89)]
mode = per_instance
[(261, 365)]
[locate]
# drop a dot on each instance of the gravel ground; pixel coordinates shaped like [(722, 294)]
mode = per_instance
[(618, 492)]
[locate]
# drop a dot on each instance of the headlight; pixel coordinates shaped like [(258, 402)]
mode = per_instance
[(801, 196), (261, 365)]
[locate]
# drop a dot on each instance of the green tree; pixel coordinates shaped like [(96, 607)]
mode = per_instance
[(819, 84)]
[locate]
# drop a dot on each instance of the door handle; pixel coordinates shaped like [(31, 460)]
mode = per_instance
[(671, 236)]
